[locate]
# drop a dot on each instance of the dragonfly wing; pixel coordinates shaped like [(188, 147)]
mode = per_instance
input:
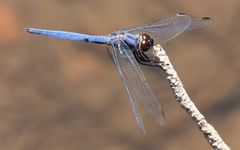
[(169, 27), (166, 28), (200, 23), (135, 83), (113, 53)]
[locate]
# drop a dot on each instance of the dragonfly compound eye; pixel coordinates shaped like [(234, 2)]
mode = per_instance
[(145, 42)]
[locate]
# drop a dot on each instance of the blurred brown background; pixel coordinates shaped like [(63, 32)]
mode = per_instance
[(63, 95)]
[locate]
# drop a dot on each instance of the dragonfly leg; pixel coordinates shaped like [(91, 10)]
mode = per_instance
[(141, 57), (144, 60)]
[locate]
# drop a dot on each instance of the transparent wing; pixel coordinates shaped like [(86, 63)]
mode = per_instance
[(135, 83), (113, 52), (200, 23), (169, 27)]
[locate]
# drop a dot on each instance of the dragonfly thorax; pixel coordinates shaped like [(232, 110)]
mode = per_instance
[(145, 42), (118, 36)]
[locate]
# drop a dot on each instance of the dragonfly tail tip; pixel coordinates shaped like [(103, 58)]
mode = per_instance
[(27, 29)]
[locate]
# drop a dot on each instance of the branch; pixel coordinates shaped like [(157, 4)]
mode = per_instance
[(183, 99)]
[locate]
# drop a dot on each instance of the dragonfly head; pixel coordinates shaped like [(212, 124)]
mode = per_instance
[(145, 42)]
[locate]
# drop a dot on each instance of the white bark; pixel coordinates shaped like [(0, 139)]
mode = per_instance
[(186, 103)]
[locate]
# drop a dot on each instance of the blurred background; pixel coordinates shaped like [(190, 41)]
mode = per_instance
[(63, 95)]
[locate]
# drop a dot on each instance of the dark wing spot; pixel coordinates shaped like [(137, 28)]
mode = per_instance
[(182, 14), (206, 18)]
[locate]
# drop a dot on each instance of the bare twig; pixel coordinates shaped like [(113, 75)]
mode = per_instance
[(183, 99)]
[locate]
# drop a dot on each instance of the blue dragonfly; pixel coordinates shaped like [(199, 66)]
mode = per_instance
[(129, 47)]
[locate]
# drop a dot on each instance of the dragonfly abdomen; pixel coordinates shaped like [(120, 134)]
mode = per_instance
[(70, 35)]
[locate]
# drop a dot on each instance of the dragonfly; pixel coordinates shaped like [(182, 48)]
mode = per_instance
[(133, 46)]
